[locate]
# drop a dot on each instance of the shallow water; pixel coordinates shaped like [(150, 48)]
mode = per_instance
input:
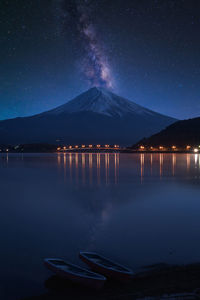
[(137, 209)]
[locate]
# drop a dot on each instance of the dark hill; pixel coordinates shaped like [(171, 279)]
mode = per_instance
[(180, 133)]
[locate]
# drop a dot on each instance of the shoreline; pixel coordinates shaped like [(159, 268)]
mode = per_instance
[(99, 151)]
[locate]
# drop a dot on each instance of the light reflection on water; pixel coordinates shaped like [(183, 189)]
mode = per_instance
[(136, 208), (76, 166), (104, 168)]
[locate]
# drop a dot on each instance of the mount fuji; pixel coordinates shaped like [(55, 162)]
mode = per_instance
[(96, 116)]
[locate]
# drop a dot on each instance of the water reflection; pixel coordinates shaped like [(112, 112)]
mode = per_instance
[(196, 159), (161, 163), (59, 159), (188, 156), (141, 166), (90, 167), (116, 158), (106, 158), (110, 168), (151, 163), (98, 158), (173, 163), (80, 167), (76, 167), (64, 164), (63, 203), (103, 168), (83, 167)]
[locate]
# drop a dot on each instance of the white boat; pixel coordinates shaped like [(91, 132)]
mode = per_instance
[(74, 273), (102, 265)]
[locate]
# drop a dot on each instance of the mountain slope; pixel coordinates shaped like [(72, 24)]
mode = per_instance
[(180, 133), (96, 116), (100, 100)]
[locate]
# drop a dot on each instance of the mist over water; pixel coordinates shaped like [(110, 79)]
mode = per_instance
[(137, 209)]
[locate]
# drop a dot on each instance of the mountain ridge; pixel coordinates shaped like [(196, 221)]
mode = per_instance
[(95, 116)]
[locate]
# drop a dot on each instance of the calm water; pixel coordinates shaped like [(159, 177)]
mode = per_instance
[(136, 208)]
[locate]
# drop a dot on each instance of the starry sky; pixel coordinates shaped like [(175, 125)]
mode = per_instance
[(145, 50)]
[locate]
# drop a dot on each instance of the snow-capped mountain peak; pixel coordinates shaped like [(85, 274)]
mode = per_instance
[(102, 101)]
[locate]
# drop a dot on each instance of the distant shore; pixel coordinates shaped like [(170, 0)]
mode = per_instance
[(52, 148), (101, 151), (156, 281)]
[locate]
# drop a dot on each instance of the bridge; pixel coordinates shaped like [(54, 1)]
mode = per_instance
[(90, 147)]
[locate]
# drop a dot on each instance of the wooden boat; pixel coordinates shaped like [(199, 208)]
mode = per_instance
[(104, 266), (74, 273)]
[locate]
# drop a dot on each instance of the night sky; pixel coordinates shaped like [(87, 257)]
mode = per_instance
[(145, 50)]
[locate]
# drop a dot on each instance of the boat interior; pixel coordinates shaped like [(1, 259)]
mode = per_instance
[(73, 268), (104, 262)]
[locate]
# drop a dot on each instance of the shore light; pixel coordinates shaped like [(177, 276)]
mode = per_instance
[(90, 146), (64, 148), (83, 146), (116, 146), (173, 147), (70, 147), (58, 149), (188, 147), (196, 150), (98, 146), (107, 146), (141, 147), (76, 146), (161, 147)]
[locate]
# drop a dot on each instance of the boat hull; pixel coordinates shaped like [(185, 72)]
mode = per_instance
[(109, 273), (75, 278)]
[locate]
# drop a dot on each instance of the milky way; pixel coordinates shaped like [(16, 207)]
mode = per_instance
[(94, 63)]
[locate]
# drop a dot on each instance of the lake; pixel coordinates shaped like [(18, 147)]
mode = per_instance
[(137, 209)]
